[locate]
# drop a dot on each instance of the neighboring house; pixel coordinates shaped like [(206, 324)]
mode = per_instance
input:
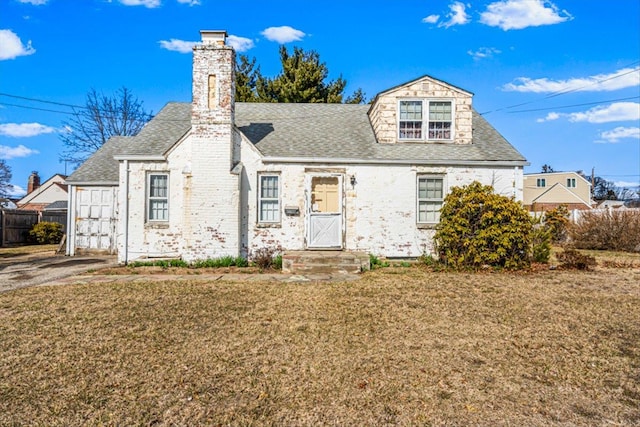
[(612, 204), (6, 203), (544, 191), (41, 195), (215, 177)]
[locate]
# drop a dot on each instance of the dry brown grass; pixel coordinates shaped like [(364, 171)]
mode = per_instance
[(26, 250), (400, 347)]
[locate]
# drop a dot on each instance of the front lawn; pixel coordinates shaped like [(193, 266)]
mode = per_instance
[(400, 346)]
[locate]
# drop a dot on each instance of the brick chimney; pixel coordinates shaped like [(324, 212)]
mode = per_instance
[(34, 182)]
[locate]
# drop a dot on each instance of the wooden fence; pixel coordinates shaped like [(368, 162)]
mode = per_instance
[(15, 225)]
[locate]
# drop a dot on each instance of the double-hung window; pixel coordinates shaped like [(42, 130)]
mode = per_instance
[(438, 120), (269, 199), (541, 182), (410, 120), (158, 197), (430, 198), (571, 182)]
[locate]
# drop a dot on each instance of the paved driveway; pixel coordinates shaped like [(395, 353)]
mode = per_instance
[(36, 269)]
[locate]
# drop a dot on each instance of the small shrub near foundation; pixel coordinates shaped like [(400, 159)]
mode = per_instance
[(375, 262), (267, 258)]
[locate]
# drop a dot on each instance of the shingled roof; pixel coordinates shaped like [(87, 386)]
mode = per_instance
[(338, 132)]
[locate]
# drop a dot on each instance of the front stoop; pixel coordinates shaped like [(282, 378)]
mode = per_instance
[(300, 262)]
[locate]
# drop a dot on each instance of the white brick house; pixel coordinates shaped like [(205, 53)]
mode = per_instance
[(216, 177)]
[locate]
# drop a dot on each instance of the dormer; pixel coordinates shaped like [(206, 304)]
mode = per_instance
[(425, 111)]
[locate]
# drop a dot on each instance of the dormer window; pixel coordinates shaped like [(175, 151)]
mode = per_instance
[(410, 120), (438, 121)]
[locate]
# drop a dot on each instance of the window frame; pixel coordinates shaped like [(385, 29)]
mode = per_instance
[(277, 199), (571, 183), (149, 198), (425, 119), (428, 200), (542, 181)]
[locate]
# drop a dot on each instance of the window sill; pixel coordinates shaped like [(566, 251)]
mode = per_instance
[(157, 225), (425, 226), (268, 225)]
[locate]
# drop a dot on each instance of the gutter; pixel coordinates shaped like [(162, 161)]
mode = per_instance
[(125, 224), (438, 162)]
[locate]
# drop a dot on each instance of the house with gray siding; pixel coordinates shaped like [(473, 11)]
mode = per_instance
[(216, 177)]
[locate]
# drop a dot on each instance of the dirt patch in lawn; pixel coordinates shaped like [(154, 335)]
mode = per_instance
[(401, 346)]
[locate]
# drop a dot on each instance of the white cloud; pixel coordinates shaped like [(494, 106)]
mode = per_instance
[(621, 79), (615, 135), (519, 14), (457, 16), (146, 3), (13, 152), (284, 34), (240, 44), (431, 19), (190, 2), (483, 52), (11, 46), (34, 2), (176, 45), (616, 112), (13, 190), (24, 130)]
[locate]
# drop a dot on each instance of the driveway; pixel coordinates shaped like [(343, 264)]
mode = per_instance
[(35, 269)]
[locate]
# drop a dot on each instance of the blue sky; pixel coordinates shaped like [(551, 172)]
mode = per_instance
[(559, 79)]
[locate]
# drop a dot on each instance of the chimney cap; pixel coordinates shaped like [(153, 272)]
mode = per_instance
[(217, 37)]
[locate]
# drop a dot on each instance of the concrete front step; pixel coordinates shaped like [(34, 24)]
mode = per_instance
[(324, 262)]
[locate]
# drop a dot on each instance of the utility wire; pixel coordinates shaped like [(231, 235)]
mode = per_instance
[(574, 105), (566, 91)]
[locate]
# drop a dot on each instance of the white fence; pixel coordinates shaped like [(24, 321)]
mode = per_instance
[(576, 214)]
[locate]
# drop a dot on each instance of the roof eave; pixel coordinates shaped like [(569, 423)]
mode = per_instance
[(439, 162)]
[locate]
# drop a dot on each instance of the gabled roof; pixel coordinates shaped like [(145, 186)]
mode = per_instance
[(425, 77), (55, 180), (341, 132), (157, 136), (559, 190)]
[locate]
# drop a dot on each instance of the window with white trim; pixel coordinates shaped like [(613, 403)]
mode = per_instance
[(158, 197), (430, 198), (571, 182), (541, 182), (438, 120), (410, 124), (269, 199)]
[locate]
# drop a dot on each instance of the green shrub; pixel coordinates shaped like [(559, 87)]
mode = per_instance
[(375, 262), (541, 237), (557, 221), (479, 228), (46, 233)]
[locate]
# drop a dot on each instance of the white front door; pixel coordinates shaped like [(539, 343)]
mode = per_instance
[(324, 212)]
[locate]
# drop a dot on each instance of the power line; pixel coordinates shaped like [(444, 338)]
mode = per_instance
[(566, 91), (574, 105)]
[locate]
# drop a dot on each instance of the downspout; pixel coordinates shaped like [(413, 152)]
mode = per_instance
[(71, 214), (125, 219)]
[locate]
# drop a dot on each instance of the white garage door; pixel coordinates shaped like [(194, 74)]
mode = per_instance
[(95, 219)]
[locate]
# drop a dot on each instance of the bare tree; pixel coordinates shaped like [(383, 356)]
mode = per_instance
[(5, 177), (102, 117)]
